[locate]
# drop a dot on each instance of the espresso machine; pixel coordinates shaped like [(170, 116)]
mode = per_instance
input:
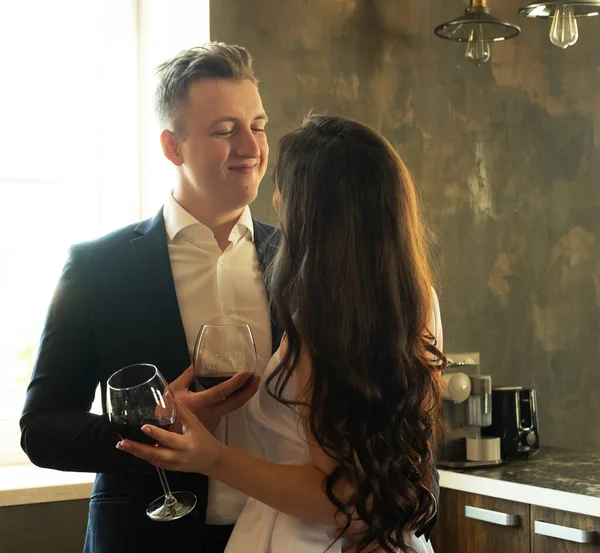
[(467, 409)]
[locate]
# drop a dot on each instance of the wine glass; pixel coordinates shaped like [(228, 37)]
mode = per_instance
[(222, 351), (138, 395)]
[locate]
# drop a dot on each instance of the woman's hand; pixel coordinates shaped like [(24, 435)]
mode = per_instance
[(196, 450)]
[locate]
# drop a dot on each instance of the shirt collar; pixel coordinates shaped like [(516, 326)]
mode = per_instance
[(178, 219), (245, 222)]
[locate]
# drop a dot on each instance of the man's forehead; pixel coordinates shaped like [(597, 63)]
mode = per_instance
[(226, 99)]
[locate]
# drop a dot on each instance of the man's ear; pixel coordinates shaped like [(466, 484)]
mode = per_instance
[(171, 147)]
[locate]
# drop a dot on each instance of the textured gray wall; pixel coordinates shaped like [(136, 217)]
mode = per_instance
[(506, 156)]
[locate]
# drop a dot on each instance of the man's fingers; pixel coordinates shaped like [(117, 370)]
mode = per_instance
[(221, 391), (186, 416), (183, 381), (235, 400), (209, 405)]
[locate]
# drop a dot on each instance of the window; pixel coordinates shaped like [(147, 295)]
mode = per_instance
[(76, 97)]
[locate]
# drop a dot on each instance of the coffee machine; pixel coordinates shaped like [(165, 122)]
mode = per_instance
[(467, 410), (515, 421)]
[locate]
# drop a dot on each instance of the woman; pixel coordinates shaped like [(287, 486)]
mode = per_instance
[(344, 419)]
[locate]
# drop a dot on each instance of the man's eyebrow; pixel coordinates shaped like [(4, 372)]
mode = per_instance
[(230, 119)]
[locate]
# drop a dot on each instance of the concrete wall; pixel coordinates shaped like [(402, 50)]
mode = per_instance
[(506, 156)]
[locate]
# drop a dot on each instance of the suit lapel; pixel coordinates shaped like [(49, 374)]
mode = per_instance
[(156, 281)]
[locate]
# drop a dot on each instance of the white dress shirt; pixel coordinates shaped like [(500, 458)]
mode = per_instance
[(219, 287)]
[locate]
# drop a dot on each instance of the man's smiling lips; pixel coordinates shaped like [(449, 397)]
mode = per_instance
[(243, 167)]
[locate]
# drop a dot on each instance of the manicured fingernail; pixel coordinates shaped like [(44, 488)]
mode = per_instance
[(147, 429), (119, 445)]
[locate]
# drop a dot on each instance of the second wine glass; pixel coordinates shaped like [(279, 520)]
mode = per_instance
[(138, 395), (222, 351)]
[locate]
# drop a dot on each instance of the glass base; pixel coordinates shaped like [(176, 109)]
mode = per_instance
[(159, 510)]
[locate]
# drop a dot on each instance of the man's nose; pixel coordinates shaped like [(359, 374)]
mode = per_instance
[(247, 144)]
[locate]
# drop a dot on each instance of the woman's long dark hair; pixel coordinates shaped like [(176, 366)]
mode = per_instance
[(352, 288)]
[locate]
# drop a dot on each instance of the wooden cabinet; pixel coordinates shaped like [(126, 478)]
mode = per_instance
[(559, 532), (448, 534), (496, 525), (471, 523)]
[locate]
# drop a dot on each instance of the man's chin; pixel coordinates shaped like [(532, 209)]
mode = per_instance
[(250, 192), (245, 197)]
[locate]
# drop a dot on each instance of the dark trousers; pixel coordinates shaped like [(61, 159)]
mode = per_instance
[(215, 538)]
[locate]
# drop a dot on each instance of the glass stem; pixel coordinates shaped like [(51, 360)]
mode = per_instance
[(169, 497)]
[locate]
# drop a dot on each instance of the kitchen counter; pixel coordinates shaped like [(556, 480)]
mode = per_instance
[(554, 478)]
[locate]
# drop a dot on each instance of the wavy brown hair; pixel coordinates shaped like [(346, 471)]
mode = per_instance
[(352, 288)]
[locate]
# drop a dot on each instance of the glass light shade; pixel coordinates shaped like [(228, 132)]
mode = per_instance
[(564, 30), (477, 20), (581, 8)]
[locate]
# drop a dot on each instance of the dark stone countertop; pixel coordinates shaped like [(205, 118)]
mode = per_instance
[(551, 468)]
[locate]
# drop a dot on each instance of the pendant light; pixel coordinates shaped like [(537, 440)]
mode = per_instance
[(564, 30), (478, 27)]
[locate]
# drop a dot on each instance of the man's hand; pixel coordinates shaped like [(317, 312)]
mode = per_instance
[(210, 405)]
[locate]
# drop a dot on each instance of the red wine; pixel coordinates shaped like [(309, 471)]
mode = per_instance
[(210, 380), (132, 429)]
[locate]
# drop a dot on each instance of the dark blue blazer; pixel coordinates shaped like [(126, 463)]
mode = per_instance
[(115, 305)]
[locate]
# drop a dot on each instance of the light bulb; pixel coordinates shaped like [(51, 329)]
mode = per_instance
[(564, 31), (478, 49)]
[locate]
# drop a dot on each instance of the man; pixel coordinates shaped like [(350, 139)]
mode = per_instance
[(141, 293)]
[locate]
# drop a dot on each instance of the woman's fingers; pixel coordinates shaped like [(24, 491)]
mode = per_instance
[(164, 437), (160, 457), (192, 451)]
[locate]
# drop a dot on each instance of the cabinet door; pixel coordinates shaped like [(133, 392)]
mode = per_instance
[(470, 523), (560, 532), (449, 532), (496, 525)]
